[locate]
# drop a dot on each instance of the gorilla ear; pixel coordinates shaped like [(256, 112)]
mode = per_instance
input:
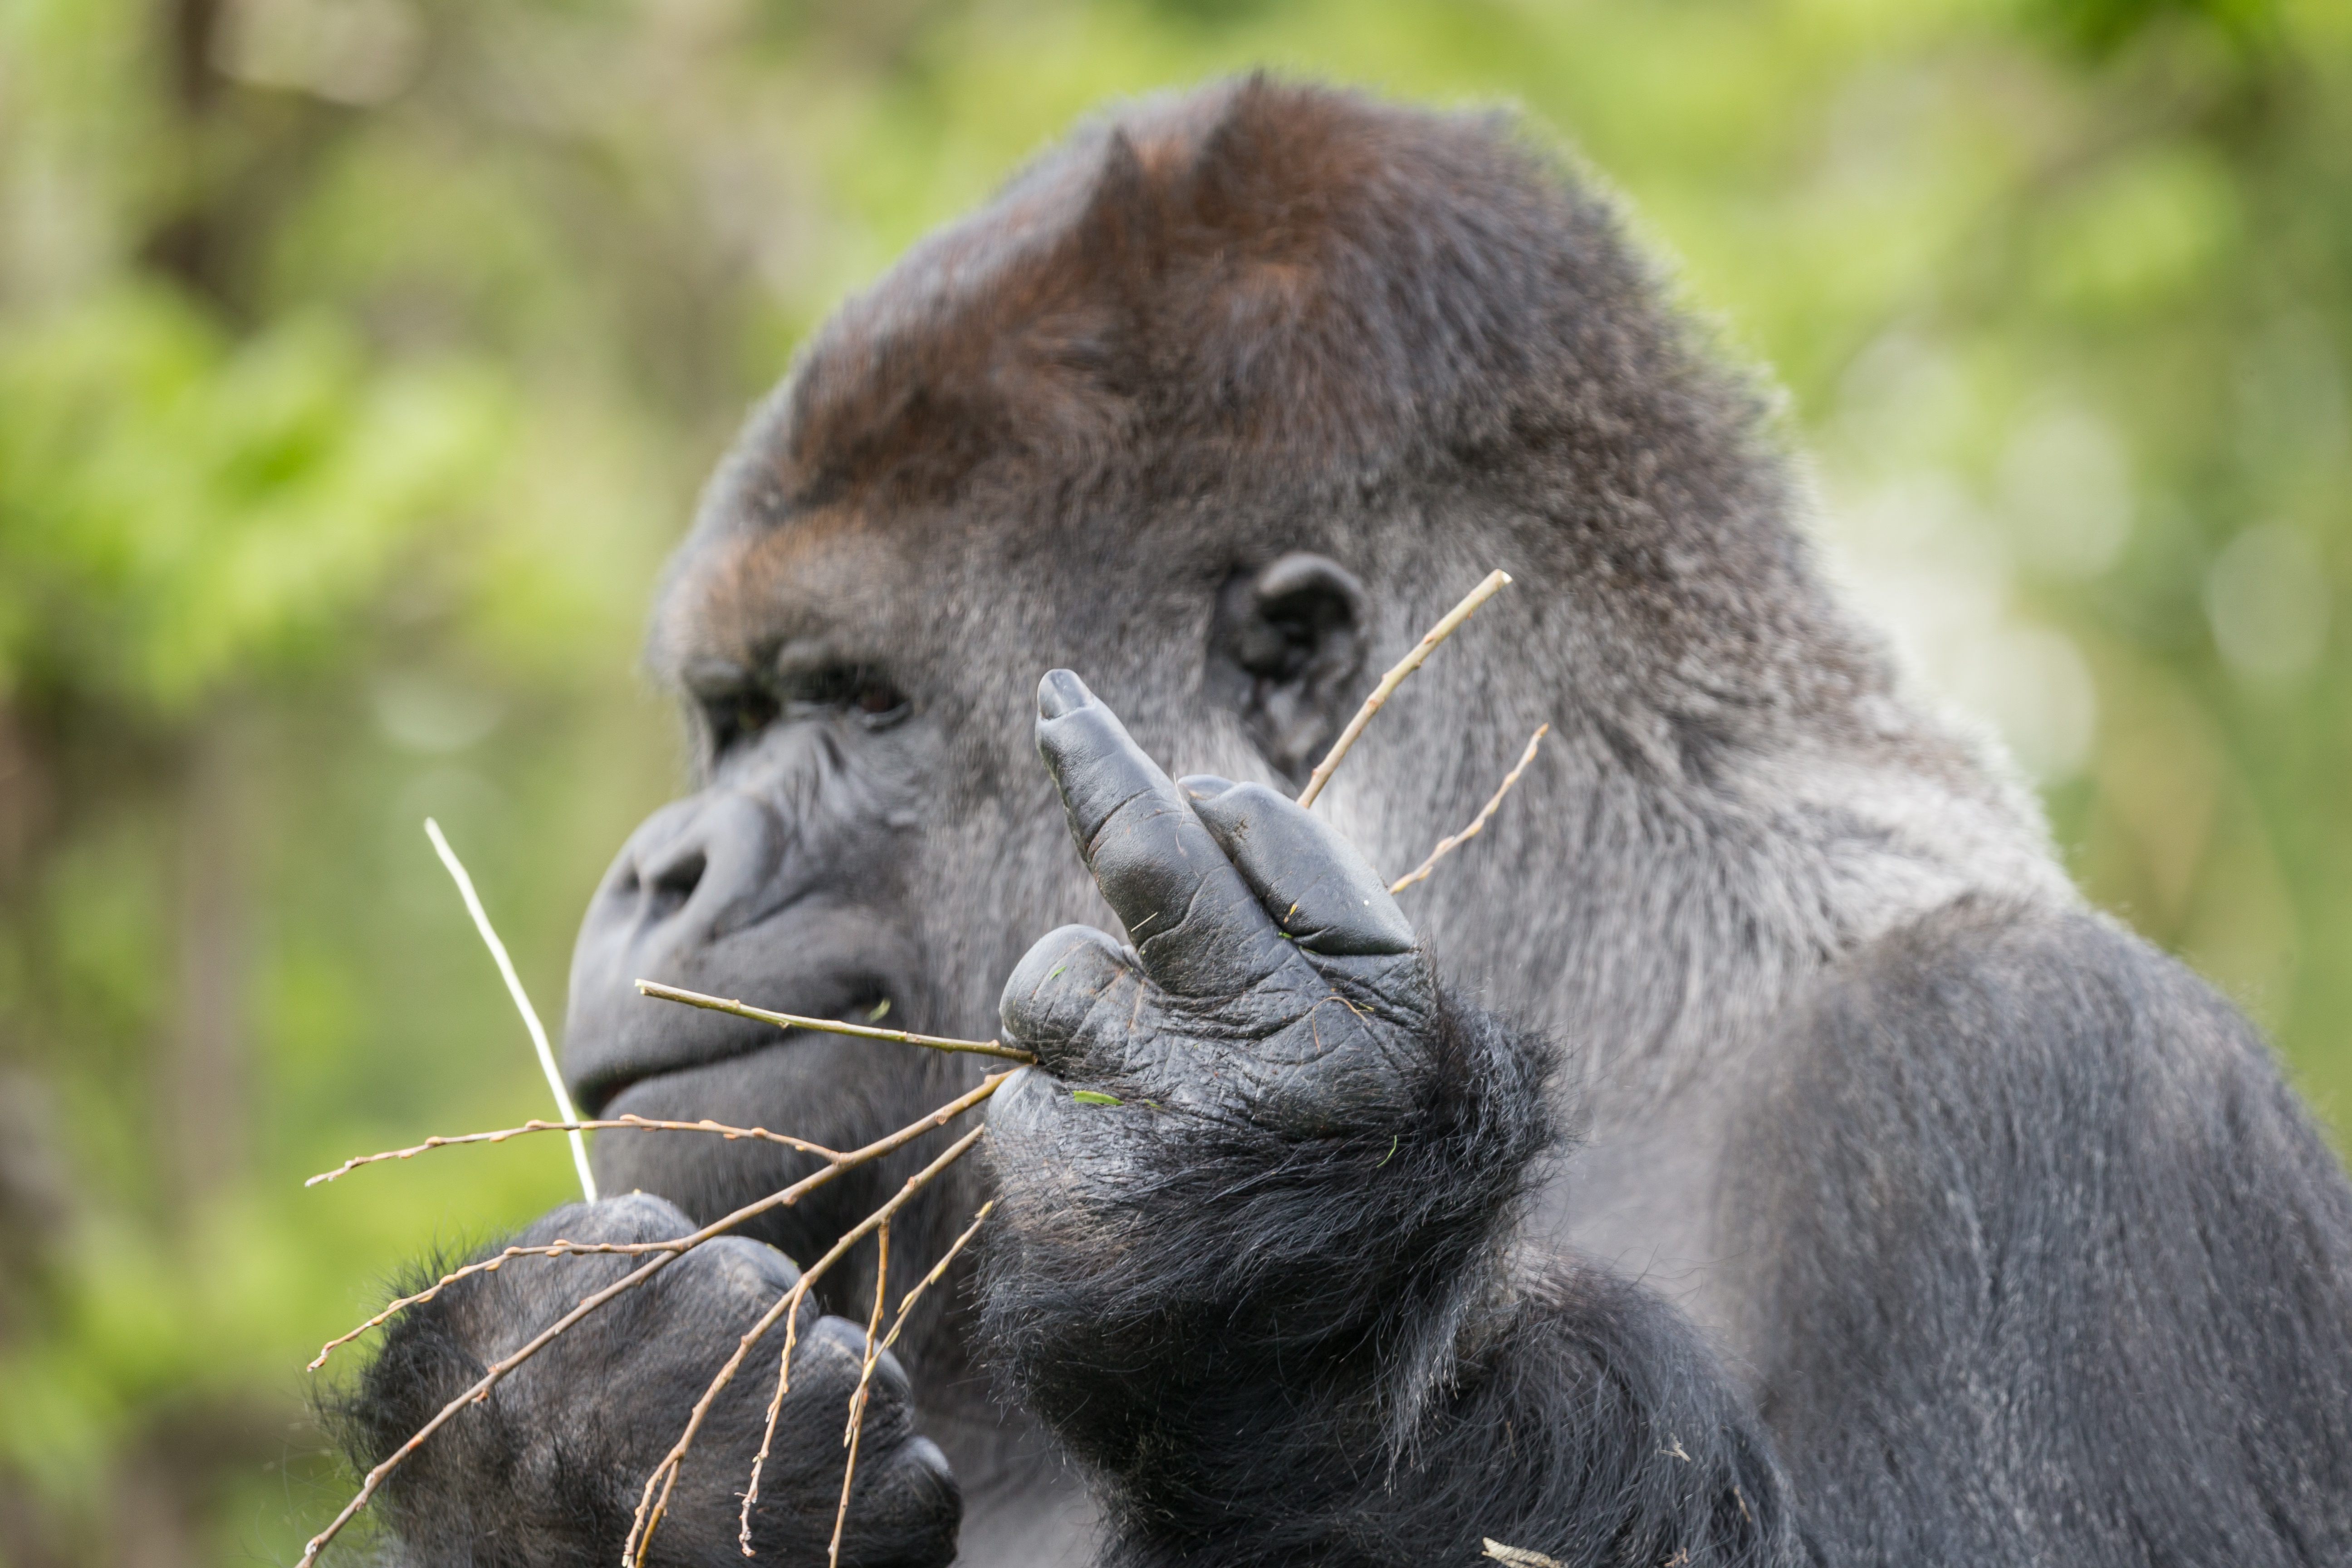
[(1284, 652)]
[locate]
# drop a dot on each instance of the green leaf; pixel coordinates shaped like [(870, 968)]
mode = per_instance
[(1089, 1096)]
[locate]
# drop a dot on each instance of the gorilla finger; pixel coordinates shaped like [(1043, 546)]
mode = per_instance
[(1070, 1001), (1315, 884), (1195, 924)]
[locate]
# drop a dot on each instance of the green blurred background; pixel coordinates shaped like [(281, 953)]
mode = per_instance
[(359, 358)]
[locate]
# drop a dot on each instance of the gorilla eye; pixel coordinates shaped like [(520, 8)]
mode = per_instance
[(856, 690), (738, 714)]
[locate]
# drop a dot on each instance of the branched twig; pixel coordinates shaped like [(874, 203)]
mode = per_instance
[(784, 1371), (563, 1106), (663, 1252), (836, 1165), (1493, 584), (1478, 823), (830, 1026), (768, 1435), (650, 1507), (856, 1429), (639, 1123), (938, 1269)]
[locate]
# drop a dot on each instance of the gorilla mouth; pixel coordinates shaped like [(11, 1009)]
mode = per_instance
[(681, 1040)]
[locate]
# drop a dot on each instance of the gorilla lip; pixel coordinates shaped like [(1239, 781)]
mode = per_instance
[(722, 1037)]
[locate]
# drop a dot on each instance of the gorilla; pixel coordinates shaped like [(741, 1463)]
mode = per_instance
[(1751, 1151)]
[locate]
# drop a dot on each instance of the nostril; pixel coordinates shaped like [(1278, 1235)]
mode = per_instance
[(672, 885)]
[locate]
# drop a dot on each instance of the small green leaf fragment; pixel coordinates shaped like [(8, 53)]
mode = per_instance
[(1089, 1096), (1391, 1153), (881, 1010)]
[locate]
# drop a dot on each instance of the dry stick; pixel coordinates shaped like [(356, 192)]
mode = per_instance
[(650, 1508), (939, 1269), (768, 1436), (1478, 823), (1493, 584), (665, 1253), (637, 1123), (561, 1249), (554, 1249), (830, 1026), (784, 1366), (564, 1107), (856, 1428)]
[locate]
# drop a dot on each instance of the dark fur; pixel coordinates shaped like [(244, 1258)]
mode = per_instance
[(2003, 1228), (1272, 1348)]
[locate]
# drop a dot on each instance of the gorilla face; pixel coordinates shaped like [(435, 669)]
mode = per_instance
[(873, 836)]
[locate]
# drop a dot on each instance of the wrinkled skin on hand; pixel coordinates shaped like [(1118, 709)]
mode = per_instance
[(550, 1469), (1272, 975)]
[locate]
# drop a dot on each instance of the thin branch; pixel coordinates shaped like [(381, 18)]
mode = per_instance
[(830, 1026), (636, 1123), (768, 1435), (1478, 824), (665, 1252), (856, 1430), (938, 1269), (1493, 584), (1518, 1556), (838, 1163), (564, 1109), (650, 1507), (785, 1365)]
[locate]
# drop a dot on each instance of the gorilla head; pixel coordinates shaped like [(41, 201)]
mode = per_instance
[(1219, 403)]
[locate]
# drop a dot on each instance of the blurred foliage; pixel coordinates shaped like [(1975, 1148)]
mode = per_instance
[(359, 358)]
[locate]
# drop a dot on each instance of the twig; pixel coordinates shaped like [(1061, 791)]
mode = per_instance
[(938, 1269), (636, 1123), (650, 1507), (829, 1025), (1518, 1556), (1478, 824), (784, 1368), (838, 1163), (664, 1253), (1494, 583), (856, 1429), (565, 1109), (768, 1435), (873, 1341)]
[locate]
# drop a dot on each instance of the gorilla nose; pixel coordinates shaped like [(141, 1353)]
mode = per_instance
[(696, 869)]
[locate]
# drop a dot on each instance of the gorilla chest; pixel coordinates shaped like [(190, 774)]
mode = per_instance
[(1639, 1196)]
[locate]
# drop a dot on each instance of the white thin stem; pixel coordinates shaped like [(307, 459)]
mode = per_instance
[(565, 1109)]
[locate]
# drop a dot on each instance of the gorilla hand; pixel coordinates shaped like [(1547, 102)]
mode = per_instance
[(550, 1469), (1264, 1296), (1272, 975), (1310, 1147)]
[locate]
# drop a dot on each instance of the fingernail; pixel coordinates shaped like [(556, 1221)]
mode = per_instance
[(1203, 786), (1061, 692)]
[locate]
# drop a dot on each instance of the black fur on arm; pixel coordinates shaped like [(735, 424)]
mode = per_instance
[(1273, 1346), (547, 1472)]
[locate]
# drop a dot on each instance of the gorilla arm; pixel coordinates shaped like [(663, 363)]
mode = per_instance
[(1266, 1296)]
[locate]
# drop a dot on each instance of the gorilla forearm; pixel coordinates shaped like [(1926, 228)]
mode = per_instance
[(1269, 1345)]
